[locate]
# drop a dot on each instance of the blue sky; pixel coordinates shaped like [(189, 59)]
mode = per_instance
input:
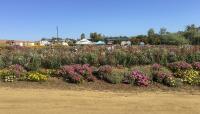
[(34, 19)]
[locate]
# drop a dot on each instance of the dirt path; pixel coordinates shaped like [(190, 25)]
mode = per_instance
[(45, 101)]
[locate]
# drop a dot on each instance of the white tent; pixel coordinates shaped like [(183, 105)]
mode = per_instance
[(84, 42)]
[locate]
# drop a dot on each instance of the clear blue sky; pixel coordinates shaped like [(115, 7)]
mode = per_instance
[(34, 19)]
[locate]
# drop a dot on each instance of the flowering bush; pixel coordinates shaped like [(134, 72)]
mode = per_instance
[(36, 76), (160, 76), (156, 67), (139, 78), (12, 73), (182, 65), (173, 82), (196, 66), (191, 77), (7, 76), (85, 71), (69, 73), (76, 73), (49, 72), (104, 70)]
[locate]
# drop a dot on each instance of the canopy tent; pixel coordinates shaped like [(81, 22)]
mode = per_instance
[(84, 42), (100, 43)]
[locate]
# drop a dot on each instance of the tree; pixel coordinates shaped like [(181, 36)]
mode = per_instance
[(163, 31), (151, 33), (196, 39), (153, 38), (82, 36), (138, 39), (174, 39), (95, 37), (43, 39), (192, 33)]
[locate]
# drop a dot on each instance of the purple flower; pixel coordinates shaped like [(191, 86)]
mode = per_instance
[(77, 72), (196, 65), (182, 65)]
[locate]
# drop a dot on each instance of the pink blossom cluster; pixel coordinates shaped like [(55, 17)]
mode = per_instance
[(139, 78), (196, 65), (76, 73), (182, 65), (156, 67)]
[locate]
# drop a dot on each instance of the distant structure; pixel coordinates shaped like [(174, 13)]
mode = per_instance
[(84, 42)]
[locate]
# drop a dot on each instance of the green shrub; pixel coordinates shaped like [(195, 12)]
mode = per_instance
[(34, 62), (172, 57), (19, 59), (132, 59), (2, 64), (114, 77), (144, 59), (174, 39), (121, 58), (193, 57), (51, 62), (88, 58), (111, 75)]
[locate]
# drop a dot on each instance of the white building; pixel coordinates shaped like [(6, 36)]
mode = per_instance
[(19, 43), (44, 43)]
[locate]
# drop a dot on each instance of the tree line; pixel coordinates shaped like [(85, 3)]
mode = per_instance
[(191, 35)]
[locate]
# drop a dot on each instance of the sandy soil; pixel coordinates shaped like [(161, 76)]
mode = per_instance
[(52, 101)]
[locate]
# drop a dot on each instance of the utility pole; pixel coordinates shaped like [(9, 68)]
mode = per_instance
[(57, 32)]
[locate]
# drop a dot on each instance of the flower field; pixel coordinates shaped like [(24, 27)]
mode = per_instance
[(170, 66)]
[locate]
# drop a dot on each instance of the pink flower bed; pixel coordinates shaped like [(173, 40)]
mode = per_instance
[(182, 65), (196, 65), (139, 78), (77, 73)]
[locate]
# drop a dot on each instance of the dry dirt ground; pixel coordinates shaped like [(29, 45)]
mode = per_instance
[(54, 101)]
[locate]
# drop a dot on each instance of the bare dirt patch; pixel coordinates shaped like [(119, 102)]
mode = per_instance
[(49, 101), (58, 97)]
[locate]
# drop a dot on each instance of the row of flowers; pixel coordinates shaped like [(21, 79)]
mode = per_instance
[(18, 73), (176, 74), (182, 72)]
